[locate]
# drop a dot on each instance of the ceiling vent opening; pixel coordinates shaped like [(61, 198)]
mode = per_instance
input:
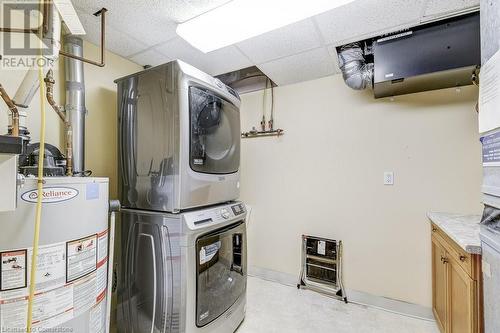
[(247, 80)]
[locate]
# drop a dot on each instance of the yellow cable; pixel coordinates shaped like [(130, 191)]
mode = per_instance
[(38, 213)]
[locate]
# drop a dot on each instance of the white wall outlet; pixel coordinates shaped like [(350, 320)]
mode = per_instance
[(388, 178)]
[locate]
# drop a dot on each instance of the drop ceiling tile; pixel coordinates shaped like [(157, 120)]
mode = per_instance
[(216, 62), (289, 40), (116, 41), (177, 48), (332, 50), (147, 21), (198, 7), (150, 57), (368, 18), (305, 66), (440, 7), (226, 60)]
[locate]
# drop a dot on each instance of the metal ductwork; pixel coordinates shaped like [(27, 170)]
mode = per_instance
[(357, 73), (247, 80), (75, 100)]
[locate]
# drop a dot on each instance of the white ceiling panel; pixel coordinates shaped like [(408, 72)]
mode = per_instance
[(440, 7), (124, 45), (305, 66), (150, 57), (292, 39), (332, 50), (367, 18), (214, 63), (147, 21), (144, 31), (198, 7), (177, 48), (225, 60)]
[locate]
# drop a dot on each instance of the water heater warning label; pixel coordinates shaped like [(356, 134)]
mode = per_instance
[(56, 300), (13, 270), (82, 257)]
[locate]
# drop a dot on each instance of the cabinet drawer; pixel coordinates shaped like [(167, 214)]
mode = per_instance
[(455, 252)]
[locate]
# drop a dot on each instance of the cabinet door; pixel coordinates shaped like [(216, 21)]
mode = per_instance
[(439, 284), (461, 288)]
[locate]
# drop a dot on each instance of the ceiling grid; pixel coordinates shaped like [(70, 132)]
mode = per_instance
[(144, 32)]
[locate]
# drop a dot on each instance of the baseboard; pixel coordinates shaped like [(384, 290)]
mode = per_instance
[(354, 296)]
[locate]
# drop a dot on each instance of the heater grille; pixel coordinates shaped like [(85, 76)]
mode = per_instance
[(322, 266)]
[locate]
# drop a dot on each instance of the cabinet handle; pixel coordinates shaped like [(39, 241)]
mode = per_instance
[(434, 229), (462, 258), (444, 260)]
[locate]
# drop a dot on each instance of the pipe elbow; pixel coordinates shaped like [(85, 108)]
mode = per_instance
[(357, 74)]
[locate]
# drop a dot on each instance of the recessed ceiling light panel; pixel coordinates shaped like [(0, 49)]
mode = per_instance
[(242, 19)]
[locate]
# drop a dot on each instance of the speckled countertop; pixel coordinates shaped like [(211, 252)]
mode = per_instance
[(463, 229)]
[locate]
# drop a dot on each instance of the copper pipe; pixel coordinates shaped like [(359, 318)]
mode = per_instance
[(13, 109), (68, 130), (46, 10), (69, 148), (102, 63), (46, 7), (257, 134), (18, 30), (49, 82)]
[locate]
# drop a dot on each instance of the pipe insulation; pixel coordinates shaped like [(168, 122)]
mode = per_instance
[(75, 100), (357, 73)]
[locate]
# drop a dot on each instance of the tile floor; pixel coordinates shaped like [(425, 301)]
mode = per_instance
[(276, 308)]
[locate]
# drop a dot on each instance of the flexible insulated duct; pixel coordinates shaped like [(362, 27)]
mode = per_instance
[(357, 73), (75, 100)]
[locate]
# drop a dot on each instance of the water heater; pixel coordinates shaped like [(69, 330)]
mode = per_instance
[(73, 259)]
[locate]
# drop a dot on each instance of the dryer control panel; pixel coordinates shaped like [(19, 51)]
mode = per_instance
[(212, 216)]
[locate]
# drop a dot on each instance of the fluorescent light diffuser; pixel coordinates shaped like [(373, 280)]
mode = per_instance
[(242, 19)]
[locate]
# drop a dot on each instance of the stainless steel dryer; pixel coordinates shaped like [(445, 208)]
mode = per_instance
[(179, 139), (183, 272)]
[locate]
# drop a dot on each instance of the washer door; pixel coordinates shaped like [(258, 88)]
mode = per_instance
[(221, 271)]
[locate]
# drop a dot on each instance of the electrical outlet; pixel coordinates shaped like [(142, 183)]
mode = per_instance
[(388, 178)]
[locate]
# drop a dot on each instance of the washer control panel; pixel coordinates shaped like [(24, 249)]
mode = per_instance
[(206, 217), (238, 209)]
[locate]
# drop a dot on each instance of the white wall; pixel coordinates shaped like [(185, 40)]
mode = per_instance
[(325, 177)]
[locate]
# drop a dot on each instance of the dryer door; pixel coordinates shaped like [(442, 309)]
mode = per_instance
[(145, 284), (221, 271), (215, 133)]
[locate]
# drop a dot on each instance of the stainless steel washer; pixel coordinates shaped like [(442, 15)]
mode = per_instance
[(183, 272)]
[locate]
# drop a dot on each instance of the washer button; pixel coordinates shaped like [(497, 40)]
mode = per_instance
[(225, 213)]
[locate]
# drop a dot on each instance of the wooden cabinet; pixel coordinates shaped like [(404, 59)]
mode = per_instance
[(439, 296), (456, 286)]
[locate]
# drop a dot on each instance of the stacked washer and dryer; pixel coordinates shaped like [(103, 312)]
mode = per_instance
[(182, 244)]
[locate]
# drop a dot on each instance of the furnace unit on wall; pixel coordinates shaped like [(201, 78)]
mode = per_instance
[(433, 56), (322, 266)]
